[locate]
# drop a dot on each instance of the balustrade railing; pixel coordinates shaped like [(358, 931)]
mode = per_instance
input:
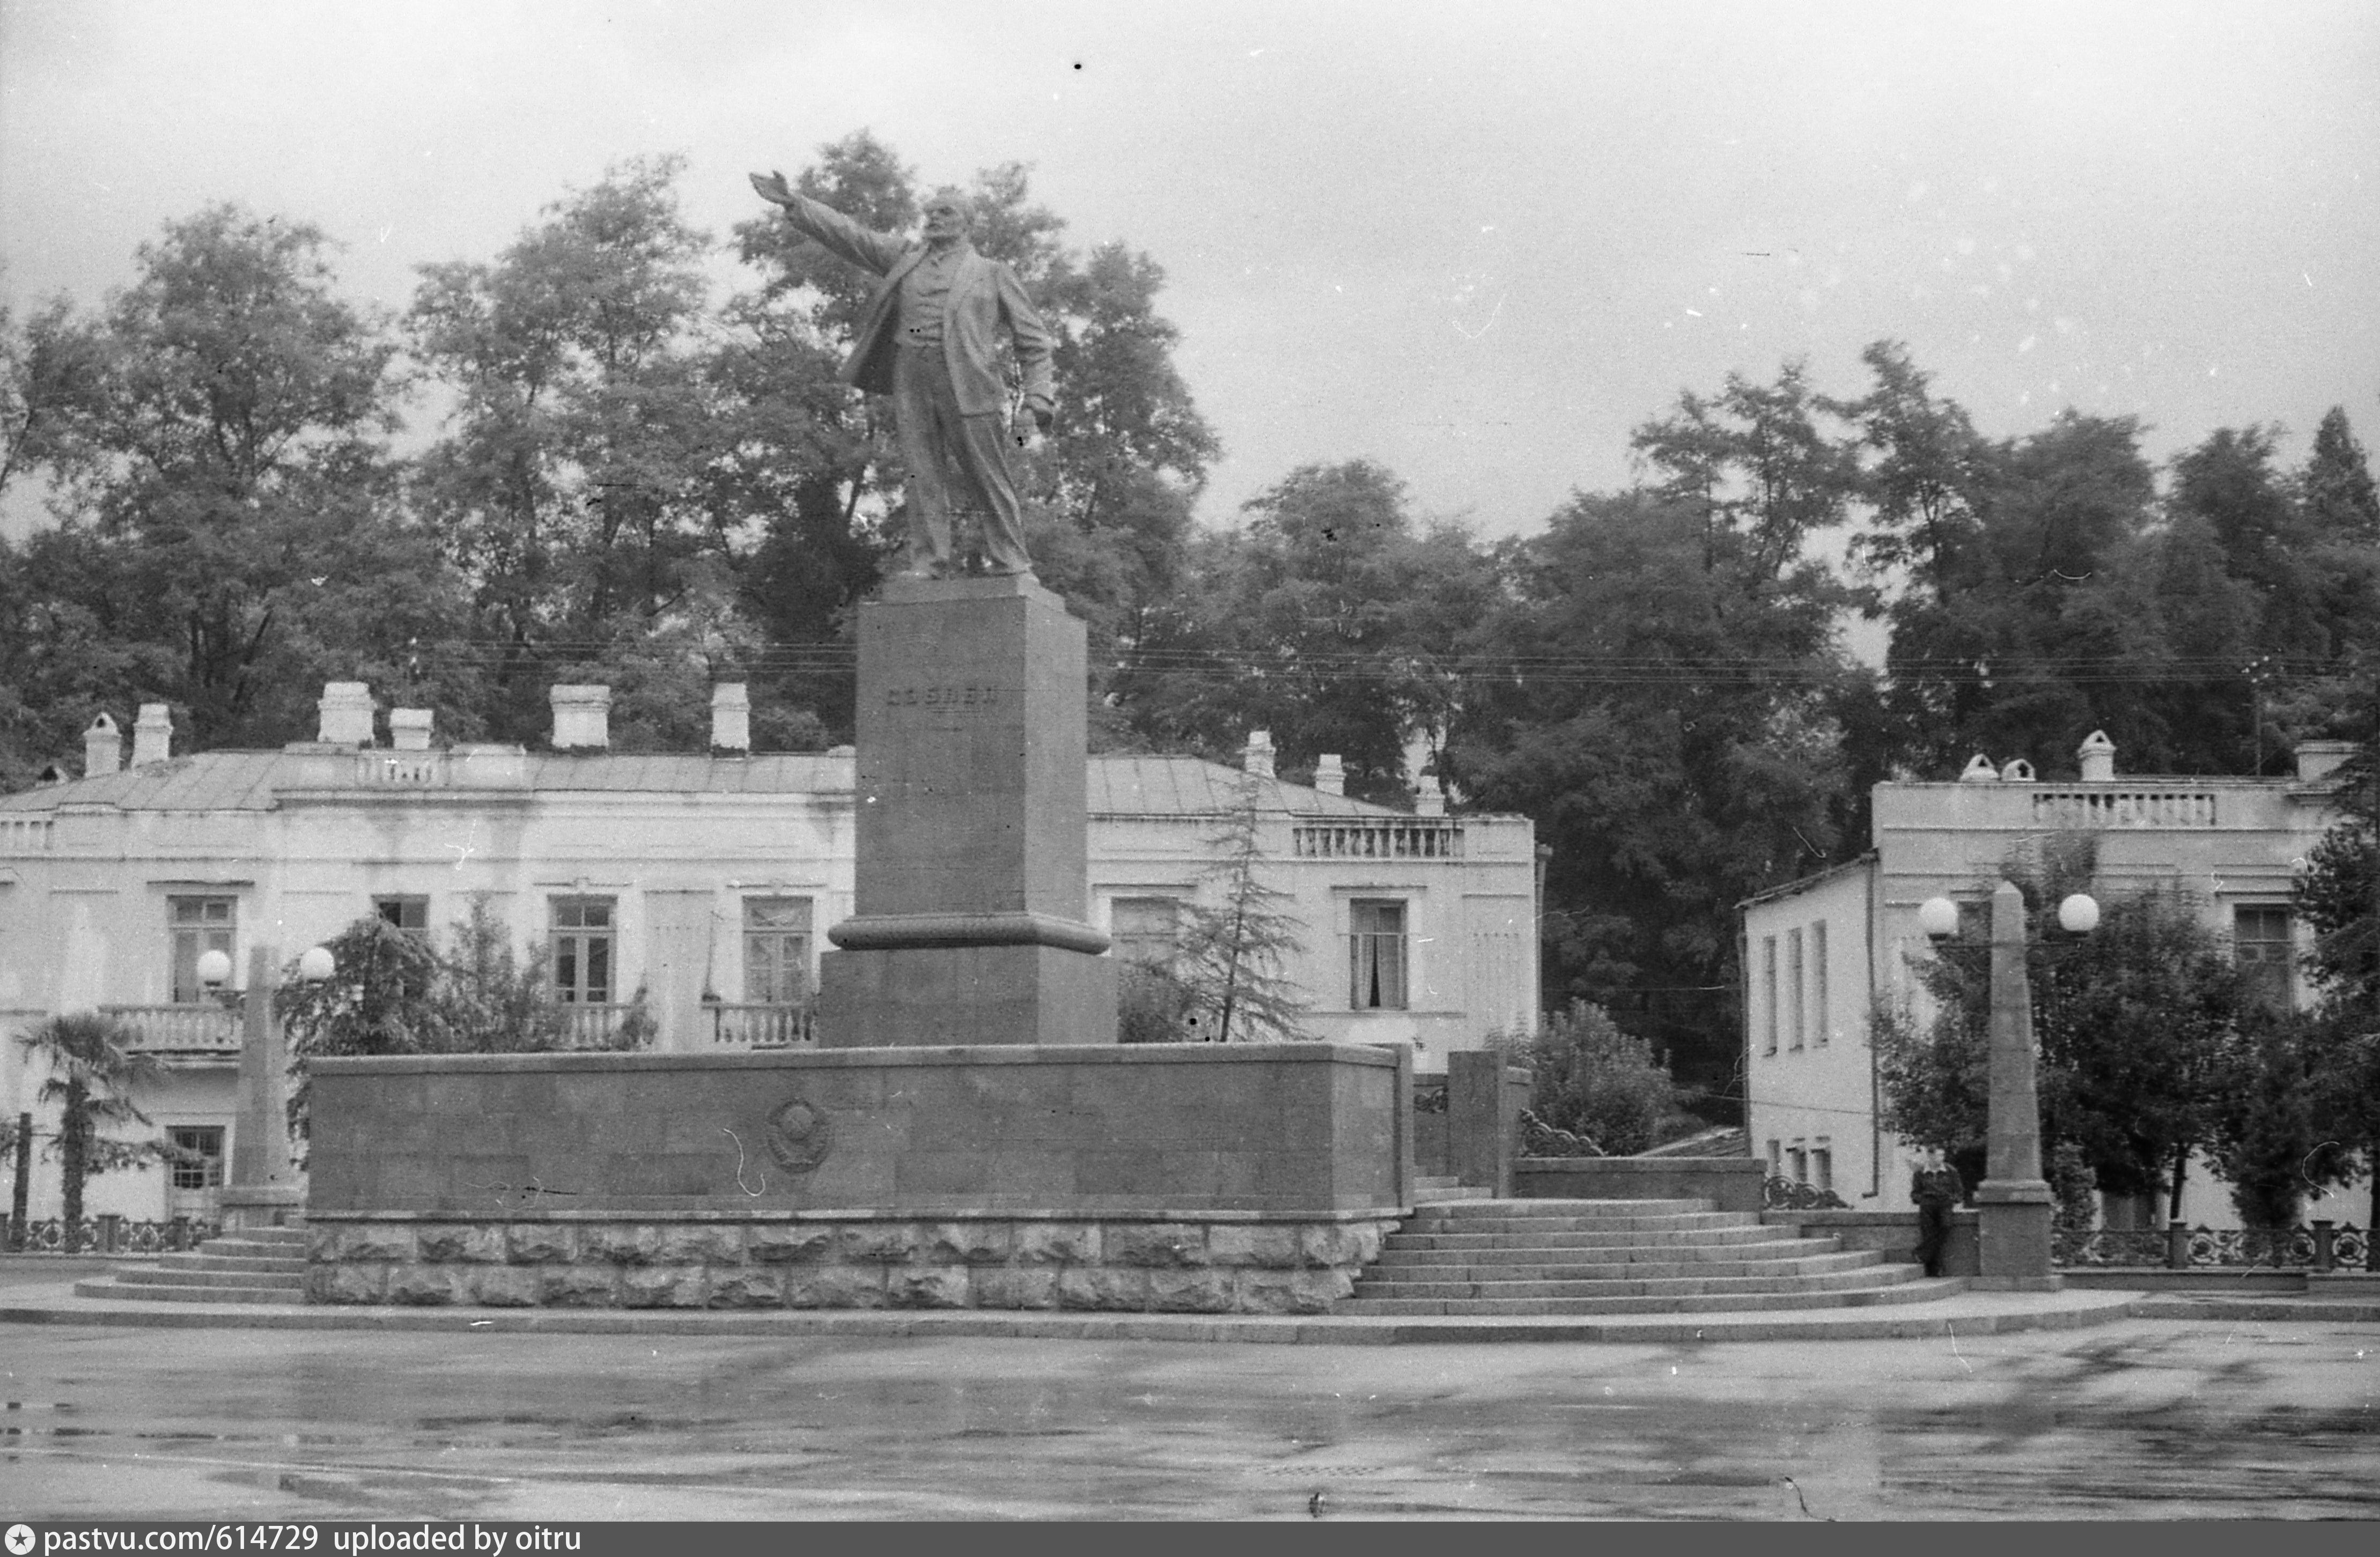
[(596, 1025), (1377, 840), (758, 1026), (2077, 810), (208, 1031)]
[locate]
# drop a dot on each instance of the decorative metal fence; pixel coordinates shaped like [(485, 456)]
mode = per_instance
[(2323, 1246), (1780, 1194), (109, 1235)]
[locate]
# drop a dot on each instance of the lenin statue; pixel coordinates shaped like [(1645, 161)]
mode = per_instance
[(931, 339)]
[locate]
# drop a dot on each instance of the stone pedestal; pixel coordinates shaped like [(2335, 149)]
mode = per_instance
[(971, 864)]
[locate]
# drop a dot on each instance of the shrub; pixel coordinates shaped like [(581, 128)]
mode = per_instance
[(1594, 1080)]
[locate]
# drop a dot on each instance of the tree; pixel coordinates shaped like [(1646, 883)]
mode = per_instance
[(229, 534), (1326, 621), (1928, 462), (2338, 895), (1234, 950), (2270, 1143), (1669, 730), (1754, 463), (93, 1074), (1594, 1080), (2339, 493), (577, 485)]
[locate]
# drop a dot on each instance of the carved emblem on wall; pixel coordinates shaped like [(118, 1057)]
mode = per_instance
[(800, 1135)]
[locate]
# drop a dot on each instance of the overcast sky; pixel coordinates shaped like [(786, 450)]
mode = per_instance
[(1478, 242)]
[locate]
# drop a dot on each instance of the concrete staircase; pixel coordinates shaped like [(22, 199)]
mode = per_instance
[(1465, 1254), (257, 1265)]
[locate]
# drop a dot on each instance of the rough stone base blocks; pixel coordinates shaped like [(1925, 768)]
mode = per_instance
[(1172, 1264)]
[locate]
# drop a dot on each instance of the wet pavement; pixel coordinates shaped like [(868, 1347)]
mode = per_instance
[(2137, 1418)]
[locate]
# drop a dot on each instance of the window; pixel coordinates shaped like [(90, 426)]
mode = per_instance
[(1801, 1157), (1768, 992), (1146, 930), (198, 925), (1775, 1159), (1794, 984), (776, 951), (2261, 946), (1375, 955), (1822, 1166), (582, 950), (410, 914), (198, 1155), (1822, 1018)]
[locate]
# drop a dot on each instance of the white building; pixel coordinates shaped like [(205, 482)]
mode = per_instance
[(1821, 952), (701, 884)]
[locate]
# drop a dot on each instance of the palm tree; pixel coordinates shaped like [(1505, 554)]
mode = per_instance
[(93, 1074)]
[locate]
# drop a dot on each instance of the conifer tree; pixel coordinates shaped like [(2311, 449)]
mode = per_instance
[(1234, 951)]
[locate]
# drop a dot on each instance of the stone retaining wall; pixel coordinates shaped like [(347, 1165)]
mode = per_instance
[(1731, 1183), (1163, 1263)]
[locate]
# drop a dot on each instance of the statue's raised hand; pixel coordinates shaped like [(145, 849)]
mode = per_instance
[(773, 189)]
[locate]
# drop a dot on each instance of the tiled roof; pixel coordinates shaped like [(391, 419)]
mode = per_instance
[(220, 781)]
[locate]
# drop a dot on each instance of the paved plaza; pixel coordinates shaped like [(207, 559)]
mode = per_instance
[(2137, 1418)]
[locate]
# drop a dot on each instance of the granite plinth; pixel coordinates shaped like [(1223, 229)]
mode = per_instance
[(943, 996), (1295, 1128), (970, 736)]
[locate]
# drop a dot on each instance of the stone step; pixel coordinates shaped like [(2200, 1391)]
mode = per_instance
[(1602, 1238), (1643, 1270), (1519, 1250), (209, 1260), (1490, 1217), (1869, 1275), (243, 1245), (1913, 1290), (161, 1275), (1533, 1208), (167, 1293)]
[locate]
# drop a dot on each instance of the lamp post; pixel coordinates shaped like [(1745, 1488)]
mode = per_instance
[(2014, 1204)]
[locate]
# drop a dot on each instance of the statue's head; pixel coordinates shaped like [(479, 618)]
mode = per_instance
[(947, 215)]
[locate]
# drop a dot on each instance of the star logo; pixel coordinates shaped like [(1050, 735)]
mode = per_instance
[(20, 1539)]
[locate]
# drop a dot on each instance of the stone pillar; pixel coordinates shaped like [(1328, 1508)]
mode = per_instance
[(263, 1190), (972, 869), (2014, 1202), (1483, 1119)]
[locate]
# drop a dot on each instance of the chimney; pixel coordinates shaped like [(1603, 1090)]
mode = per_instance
[(1331, 775), (1979, 769), (103, 747), (345, 714), (1258, 756), (408, 728), (582, 718), (2097, 755), (1429, 799), (730, 718), (2318, 760), (153, 734)]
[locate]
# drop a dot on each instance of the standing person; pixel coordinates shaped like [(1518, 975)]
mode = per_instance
[(1936, 1188), (931, 339)]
